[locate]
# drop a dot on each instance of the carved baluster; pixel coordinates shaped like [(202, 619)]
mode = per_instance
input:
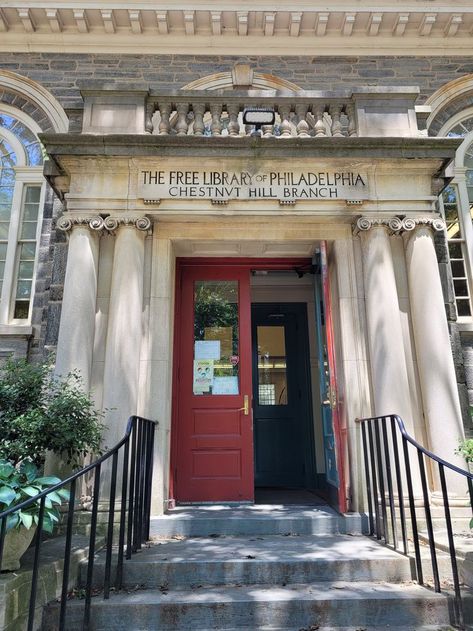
[(285, 112), (216, 112), (233, 124), (302, 127), (335, 111), (164, 124), (149, 117), (352, 131), (182, 124), (199, 111), (267, 131), (319, 127)]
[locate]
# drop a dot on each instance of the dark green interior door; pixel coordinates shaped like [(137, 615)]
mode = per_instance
[(282, 418)]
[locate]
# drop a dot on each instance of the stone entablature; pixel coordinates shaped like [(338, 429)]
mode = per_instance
[(428, 26), (145, 174)]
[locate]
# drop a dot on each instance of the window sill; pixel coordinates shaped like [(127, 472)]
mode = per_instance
[(17, 329)]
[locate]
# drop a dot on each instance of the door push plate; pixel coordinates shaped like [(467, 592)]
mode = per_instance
[(246, 405)]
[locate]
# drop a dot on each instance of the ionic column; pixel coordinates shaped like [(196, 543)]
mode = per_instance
[(124, 332), (77, 328), (432, 342), (386, 349)]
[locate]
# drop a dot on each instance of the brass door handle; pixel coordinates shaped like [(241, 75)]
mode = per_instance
[(246, 405)]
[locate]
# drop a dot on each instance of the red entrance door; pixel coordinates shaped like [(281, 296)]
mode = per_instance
[(214, 451)]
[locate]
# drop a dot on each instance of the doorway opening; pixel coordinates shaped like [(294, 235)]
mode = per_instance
[(283, 429), (248, 421)]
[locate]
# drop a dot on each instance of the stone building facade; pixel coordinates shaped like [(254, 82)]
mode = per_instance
[(385, 96)]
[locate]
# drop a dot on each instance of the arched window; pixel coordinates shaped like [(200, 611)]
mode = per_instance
[(21, 202), (452, 116), (457, 203)]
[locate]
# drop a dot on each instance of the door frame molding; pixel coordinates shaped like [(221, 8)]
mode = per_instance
[(283, 264)]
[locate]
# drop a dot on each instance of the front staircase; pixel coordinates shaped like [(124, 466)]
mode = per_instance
[(260, 567)]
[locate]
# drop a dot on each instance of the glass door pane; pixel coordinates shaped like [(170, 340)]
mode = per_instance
[(216, 338), (272, 365)]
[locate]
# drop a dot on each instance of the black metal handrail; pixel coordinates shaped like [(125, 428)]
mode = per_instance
[(136, 449), (388, 472)]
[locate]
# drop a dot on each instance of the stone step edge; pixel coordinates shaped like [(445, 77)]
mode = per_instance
[(320, 591), (137, 561), (430, 627)]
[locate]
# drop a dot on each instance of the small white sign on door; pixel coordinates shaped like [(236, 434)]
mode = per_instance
[(225, 385), (207, 349)]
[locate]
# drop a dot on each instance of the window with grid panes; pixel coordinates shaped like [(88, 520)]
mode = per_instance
[(456, 250), (450, 201), (21, 186)]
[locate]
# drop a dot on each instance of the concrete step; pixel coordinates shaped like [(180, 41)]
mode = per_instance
[(314, 627), (387, 627), (275, 560), (257, 519), (341, 604)]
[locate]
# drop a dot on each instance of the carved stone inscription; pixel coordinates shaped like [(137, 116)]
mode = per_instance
[(242, 185)]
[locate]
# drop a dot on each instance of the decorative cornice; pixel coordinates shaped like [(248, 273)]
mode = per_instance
[(397, 225), (100, 224), (149, 27)]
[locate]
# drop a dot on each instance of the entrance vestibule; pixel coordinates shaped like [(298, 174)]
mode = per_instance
[(248, 406)]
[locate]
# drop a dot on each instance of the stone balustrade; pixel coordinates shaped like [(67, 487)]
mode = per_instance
[(210, 115), (386, 111)]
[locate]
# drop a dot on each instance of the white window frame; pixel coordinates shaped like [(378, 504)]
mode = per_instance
[(24, 176), (463, 206)]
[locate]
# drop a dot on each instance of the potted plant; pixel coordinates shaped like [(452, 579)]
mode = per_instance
[(17, 484)]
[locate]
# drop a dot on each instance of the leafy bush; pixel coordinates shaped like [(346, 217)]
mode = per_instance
[(465, 449), (18, 484), (40, 412)]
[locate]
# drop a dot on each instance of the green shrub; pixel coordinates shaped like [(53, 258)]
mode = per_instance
[(40, 412), (18, 484), (465, 449)]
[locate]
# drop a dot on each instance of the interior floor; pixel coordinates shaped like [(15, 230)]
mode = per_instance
[(300, 497)]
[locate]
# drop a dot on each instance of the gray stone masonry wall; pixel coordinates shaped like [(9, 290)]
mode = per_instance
[(63, 73), (462, 343), (465, 390), (467, 346), (52, 257)]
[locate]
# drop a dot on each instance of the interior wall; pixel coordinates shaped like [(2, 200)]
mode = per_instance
[(286, 287)]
